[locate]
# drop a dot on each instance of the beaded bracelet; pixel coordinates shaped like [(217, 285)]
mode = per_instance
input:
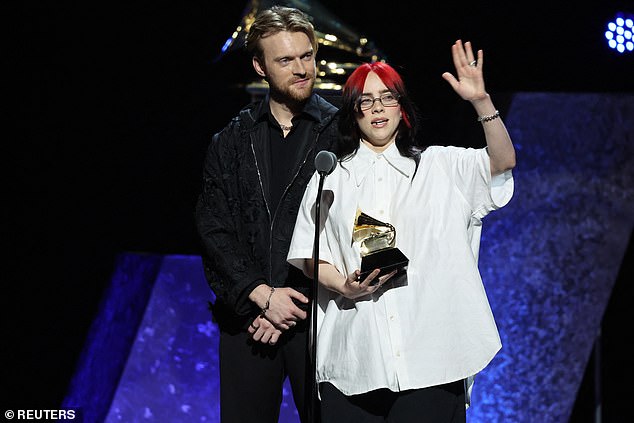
[(268, 303), (489, 117)]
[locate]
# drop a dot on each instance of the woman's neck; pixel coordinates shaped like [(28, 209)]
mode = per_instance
[(377, 148)]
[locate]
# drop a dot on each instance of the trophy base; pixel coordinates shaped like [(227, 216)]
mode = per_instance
[(386, 260)]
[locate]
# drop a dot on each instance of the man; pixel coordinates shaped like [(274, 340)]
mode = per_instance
[(255, 173)]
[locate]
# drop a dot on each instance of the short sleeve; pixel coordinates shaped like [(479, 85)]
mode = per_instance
[(470, 169), (303, 239)]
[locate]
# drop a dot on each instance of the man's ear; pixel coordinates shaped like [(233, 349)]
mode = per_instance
[(259, 68)]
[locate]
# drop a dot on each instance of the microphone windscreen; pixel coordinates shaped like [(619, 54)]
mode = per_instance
[(325, 162)]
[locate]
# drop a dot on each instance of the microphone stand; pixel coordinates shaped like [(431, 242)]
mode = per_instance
[(312, 329)]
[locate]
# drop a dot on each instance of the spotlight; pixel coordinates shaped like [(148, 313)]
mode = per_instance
[(619, 33)]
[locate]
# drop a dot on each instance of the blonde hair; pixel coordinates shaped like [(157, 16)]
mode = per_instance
[(275, 19)]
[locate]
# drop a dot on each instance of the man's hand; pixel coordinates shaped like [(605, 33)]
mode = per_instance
[(282, 310), (263, 331)]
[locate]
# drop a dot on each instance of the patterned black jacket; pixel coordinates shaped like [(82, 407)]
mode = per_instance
[(244, 241)]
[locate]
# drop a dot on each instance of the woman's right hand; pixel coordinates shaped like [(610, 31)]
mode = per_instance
[(354, 288)]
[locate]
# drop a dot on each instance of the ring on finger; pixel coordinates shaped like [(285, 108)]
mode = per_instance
[(473, 63)]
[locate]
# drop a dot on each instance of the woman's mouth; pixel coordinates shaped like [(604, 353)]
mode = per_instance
[(379, 123)]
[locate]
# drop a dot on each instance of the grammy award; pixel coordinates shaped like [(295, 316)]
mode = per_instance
[(377, 240)]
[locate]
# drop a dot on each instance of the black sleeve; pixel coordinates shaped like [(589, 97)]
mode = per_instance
[(230, 270)]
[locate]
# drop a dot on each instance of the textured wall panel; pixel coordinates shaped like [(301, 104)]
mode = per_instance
[(171, 374), (112, 335), (550, 258)]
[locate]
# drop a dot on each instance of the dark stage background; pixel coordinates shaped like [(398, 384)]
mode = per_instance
[(112, 105)]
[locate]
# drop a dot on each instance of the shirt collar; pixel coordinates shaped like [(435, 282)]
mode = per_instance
[(311, 109), (365, 158)]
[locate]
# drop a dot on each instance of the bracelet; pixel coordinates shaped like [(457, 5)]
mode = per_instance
[(489, 117), (268, 303)]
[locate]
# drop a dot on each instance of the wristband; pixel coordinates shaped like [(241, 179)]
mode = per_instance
[(489, 118), (268, 303)]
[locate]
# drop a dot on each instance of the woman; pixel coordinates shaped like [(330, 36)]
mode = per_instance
[(404, 347)]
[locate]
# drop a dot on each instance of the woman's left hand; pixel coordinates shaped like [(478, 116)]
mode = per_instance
[(469, 83)]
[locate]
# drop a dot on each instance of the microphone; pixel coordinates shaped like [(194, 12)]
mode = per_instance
[(325, 162)]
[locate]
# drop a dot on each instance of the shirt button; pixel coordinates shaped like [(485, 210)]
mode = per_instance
[(380, 179), (398, 353), (391, 317), (381, 211)]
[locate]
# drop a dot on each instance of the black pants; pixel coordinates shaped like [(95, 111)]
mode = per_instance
[(252, 375), (436, 404)]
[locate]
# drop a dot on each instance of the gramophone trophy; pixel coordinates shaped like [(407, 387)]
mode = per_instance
[(377, 240)]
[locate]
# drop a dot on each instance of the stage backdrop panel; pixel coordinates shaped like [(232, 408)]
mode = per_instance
[(549, 260), (170, 371)]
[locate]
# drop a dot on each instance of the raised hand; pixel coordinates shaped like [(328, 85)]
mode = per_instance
[(469, 82)]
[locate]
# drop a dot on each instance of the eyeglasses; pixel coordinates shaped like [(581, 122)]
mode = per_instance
[(388, 99)]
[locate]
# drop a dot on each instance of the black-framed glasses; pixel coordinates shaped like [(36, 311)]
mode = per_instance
[(388, 99)]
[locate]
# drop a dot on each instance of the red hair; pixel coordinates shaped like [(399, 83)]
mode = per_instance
[(353, 88)]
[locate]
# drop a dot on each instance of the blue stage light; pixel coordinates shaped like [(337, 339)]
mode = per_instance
[(619, 33)]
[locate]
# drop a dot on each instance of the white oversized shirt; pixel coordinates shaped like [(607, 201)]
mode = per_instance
[(433, 325)]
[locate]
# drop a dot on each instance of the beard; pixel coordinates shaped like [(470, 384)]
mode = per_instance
[(287, 91)]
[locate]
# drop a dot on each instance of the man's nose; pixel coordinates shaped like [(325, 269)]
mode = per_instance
[(299, 67)]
